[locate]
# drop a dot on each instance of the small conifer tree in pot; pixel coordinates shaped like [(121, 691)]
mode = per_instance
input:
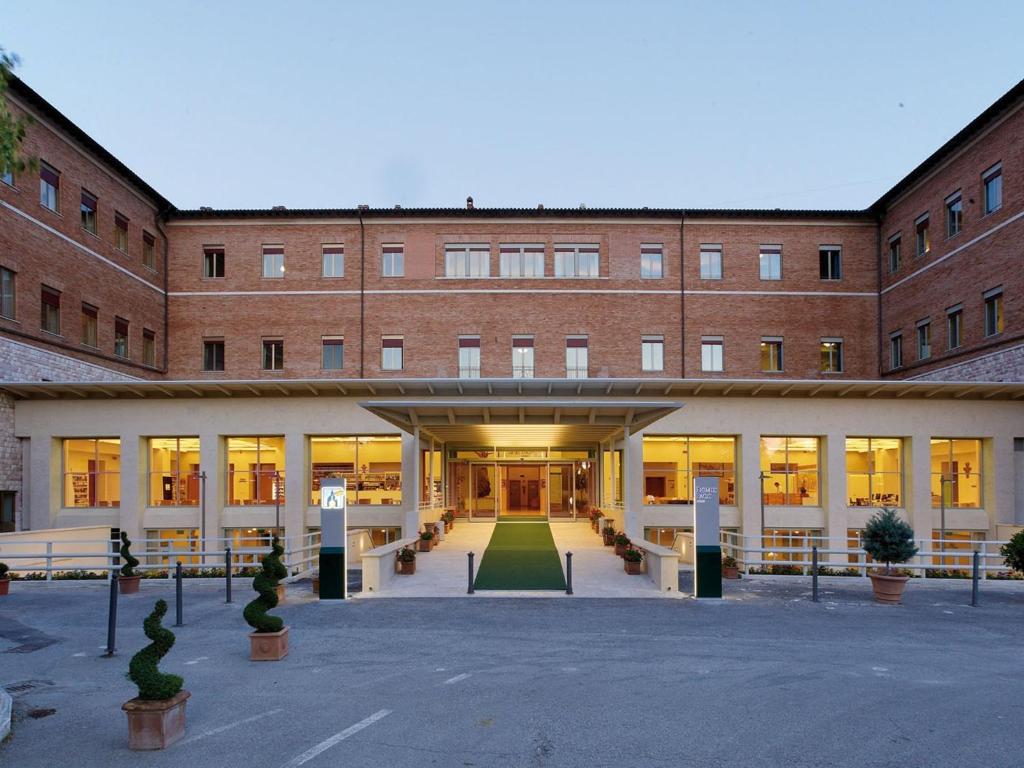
[(5, 580), (128, 581), (269, 640), (1012, 552), (888, 539)]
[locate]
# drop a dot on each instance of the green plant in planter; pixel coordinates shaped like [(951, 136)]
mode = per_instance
[(128, 569), (265, 584), (427, 536), (3, 570), (632, 555), (406, 555), (596, 514), (153, 684), (1013, 552), (448, 517), (621, 539), (889, 539), (728, 561)]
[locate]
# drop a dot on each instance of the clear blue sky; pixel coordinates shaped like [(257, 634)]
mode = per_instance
[(628, 103)]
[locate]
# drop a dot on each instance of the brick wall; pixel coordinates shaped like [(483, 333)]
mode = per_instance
[(1002, 365)]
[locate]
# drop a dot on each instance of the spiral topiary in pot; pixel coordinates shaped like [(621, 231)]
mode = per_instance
[(153, 684), (265, 584), (128, 569)]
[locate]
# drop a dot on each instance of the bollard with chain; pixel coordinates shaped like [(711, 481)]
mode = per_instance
[(470, 557), (568, 573), (227, 573), (814, 574), (974, 579), (112, 617), (177, 595)]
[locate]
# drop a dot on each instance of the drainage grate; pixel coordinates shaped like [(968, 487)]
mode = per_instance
[(18, 689)]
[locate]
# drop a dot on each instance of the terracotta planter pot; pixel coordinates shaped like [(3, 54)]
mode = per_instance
[(888, 588), (620, 549), (609, 541), (424, 545), (730, 572), (5, 585), (316, 585), (155, 724), (632, 568), (128, 585), (594, 526), (407, 568), (280, 594), (268, 646)]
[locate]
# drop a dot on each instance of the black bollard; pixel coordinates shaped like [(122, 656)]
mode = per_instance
[(112, 617), (974, 579), (227, 573), (470, 556), (177, 595), (568, 573), (814, 574)]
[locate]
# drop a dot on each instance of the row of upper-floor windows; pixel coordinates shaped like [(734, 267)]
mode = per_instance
[(50, 191), (992, 325), (953, 217)]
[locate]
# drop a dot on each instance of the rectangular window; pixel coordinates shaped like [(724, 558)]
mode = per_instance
[(710, 262), (7, 177), (120, 232), (372, 465), (577, 261), (830, 262), (923, 241), (7, 306), (671, 464), (7, 509), (120, 337), (49, 187), (467, 261), (273, 354), (874, 471), (954, 214), (924, 339), (993, 311), (88, 212), (790, 467), (148, 250), (895, 254), (522, 357), (771, 354), (992, 183), (652, 262), (831, 355), (652, 353), (89, 322), (333, 353), (392, 260), (333, 260), (255, 471), (521, 260), (392, 353), (50, 310), (955, 326), (273, 261), (213, 262), (213, 355), (469, 357), (576, 362), (92, 472), (896, 350), (148, 347), (712, 354), (770, 259), (956, 473), (174, 472)]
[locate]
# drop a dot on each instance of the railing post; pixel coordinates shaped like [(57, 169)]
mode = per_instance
[(814, 574), (227, 574), (177, 595), (974, 579), (49, 561), (470, 557), (112, 618), (568, 573)]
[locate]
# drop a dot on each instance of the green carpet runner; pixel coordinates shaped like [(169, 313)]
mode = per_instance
[(520, 556)]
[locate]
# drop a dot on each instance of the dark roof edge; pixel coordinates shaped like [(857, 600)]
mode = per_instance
[(51, 113)]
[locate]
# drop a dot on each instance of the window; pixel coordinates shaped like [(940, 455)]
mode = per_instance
[(895, 255), (7, 511), (174, 471), (121, 232), (790, 467), (652, 260), (120, 337), (993, 311), (166, 546), (213, 355), (522, 357), (467, 261), (273, 261), (924, 339), (710, 262), (89, 323), (148, 250), (955, 326), (712, 353), (896, 350), (273, 354), (7, 293), (7, 177), (923, 243), (333, 260), (992, 184), (954, 214), (255, 471), (49, 187), (92, 472), (672, 463), (50, 310), (576, 364), (371, 464), (393, 260), (830, 262), (956, 472), (333, 353), (577, 261), (88, 212), (771, 354), (874, 471), (831, 355), (148, 347), (213, 262), (521, 260), (770, 260), (469, 357), (392, 349), (652, 353)]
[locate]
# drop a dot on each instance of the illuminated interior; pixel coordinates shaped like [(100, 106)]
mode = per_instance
[(255, 470), (790, 465), (240, 539), (671, 464), (956, 472), (92, 472), (874, 471), (612, 480), (784, 538), (176, 543), (174, 471), (371, 465)]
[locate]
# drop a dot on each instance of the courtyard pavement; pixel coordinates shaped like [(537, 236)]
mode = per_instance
[(764, 677)]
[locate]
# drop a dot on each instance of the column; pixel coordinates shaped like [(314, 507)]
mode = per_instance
[(212, 462), (835, 498), (632, 483), (917, 487), (411, 482), (132, 501), (749, 460), (296, 495)]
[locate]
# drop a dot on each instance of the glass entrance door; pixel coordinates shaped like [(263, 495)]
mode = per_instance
[(483, 492), (561, 491), (523, 490)]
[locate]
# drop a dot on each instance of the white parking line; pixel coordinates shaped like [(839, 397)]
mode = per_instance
[(326, 744), (196, 661), (229, 726), (457, 678)]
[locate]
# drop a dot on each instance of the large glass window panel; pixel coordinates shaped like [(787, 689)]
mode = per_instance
[(255, 471), (651, 262), (652, 353), (522, 261), (166, 546), (671, 464), (92, 472), (790, 466), (874, 476), (174, 471), (522, 357), (956, 472), (371, 465)]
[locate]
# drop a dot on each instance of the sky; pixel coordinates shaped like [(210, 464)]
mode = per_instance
[(622, 104)]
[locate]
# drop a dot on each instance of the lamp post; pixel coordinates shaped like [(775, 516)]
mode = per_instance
[(942, 515), (277, 501), (202, 514), (762, 477)]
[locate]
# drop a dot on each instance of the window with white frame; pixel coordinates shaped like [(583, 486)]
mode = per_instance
[(652, 353), (121, 232), (7, 279), (521, 260), (954, 326), (993, 311), (992, 188), (392, 260), (924, 339), (577, 261), (213, 261), (712, 353), (922, 242), (467, 260), (710, 261), (273, 261), (522, 357), (332, 356), (895, 253), (392, 349), (896, 350), (148, 250), (49, 187), (333, 258), (954, 214), (120, 337), (770, 262), (87, 211), (830, 262), (771, 354), (273, 354), (652, 262), (469, 357), (831, 355), (576, 362)]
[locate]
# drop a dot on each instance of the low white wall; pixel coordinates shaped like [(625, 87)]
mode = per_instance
[(71, 548), (379, 565)]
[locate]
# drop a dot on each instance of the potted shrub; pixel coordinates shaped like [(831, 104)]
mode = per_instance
[(888, 539), (609, 536), (730, 570), (5, 580), (406, 561), (595, 519), (156, 717), (1012, 552), (621, 543), (128, 581), (269, 640), (449, 520), (426, 542), (632, 560)]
